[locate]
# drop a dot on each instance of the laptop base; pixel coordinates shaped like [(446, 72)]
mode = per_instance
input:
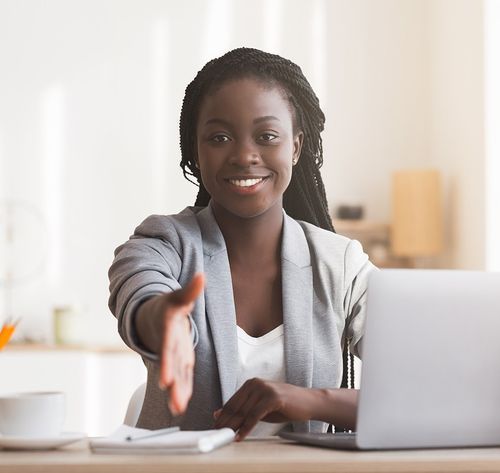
[(339, 441)]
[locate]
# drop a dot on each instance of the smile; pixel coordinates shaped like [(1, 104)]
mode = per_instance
[(246, 182)]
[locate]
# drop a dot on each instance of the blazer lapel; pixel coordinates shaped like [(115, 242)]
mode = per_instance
[(297, 307), (297, 293), (219, 302)]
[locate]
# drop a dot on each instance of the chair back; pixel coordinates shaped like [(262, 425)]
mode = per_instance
[(135, 406)]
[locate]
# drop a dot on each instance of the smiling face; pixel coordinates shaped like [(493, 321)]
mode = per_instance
[(245, 147)]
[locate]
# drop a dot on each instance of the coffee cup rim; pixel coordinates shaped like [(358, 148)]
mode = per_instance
[(31, 394)]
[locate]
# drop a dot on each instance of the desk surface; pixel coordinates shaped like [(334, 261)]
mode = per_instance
[(263, 456)]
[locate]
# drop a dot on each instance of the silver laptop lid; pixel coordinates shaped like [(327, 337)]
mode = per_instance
[(431, 360)]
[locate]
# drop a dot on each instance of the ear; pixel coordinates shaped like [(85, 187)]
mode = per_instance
[(298, 139), (196, 159)]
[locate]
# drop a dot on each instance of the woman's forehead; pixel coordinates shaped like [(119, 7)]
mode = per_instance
[(247, 95)]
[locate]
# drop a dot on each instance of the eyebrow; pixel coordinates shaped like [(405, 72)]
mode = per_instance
[(257, 120), (266, 118)]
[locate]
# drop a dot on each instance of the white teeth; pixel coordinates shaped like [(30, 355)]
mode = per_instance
[(245, 182)]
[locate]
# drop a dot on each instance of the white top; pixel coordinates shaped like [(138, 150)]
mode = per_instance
[(262, 357)]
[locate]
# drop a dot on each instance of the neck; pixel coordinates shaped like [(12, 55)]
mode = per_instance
[(254, 240)]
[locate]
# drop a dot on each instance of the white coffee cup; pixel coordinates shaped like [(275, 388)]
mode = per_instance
[(32, 414)]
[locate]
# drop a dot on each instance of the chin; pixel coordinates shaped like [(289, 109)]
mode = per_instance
[(247, 208), (247, 213), (252, 211)]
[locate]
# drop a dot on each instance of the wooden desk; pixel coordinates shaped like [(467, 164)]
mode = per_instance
[(262, 456)]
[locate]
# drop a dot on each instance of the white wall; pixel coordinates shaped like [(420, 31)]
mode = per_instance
[(88, 125), (457, 123), (98, 385), (90, 94), (377, 103), (492, 136)]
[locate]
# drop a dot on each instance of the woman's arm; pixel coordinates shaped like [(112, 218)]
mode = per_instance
[(269, 401), (151, 306), (148, 323), (163, 327), (336, 406)]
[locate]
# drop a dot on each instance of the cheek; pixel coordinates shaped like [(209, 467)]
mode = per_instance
[(288, 178), (199, 152), (286, 164), (206, 176), (208, 173), (204, 158), (209, 154)]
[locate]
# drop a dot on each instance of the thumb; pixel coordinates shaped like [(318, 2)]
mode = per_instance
[(189, 293)]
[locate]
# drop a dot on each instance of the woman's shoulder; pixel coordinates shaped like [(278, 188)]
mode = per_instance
[(336, 258), (180, 231), (157, 226), (325, 238), (329, 246)]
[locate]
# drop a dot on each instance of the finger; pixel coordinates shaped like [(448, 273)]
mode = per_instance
[(167, 354), (184, 375), (176, 328), (258, 412), (176, 386), (179, 363), (183, 387), (166, 363), (187, 384), (179, 395), (233, 405), (235, 419), (191, 291), (187, 356), (176, 402), (181, 303)]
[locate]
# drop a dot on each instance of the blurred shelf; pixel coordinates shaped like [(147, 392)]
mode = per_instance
[(368, 228), (47, 347), (375, 237)]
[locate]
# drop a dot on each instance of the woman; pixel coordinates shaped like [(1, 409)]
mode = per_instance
[(266, 298)]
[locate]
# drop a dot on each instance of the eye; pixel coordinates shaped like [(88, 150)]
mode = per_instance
[(219, 138), (268, 136)]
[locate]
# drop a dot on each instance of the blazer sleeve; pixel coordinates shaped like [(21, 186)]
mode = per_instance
[(145, 266), (357, 267)]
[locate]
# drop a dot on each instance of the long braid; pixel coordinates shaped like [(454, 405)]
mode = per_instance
[(305, 198)]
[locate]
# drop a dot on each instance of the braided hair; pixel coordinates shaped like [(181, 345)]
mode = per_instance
[(305, 197)]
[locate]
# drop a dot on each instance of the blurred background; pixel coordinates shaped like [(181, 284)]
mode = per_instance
[(90, 96)]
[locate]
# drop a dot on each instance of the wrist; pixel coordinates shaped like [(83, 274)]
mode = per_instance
[(336, 406), (149, 322), (321, 403), (311, 402)]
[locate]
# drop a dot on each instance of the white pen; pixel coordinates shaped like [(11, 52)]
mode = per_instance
[(153, 433)]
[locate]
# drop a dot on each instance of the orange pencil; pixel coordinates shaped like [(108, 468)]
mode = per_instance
[(7, 332)]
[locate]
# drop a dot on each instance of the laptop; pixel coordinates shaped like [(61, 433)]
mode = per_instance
[(431, 363)]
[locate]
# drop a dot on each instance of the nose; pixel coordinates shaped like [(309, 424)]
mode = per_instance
[(245, 153)]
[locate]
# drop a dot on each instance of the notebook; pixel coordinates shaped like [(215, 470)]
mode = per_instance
[(431, 354), (132, 440)]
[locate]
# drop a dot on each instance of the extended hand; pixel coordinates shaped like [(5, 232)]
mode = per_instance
[(264, 400), (177, 351)]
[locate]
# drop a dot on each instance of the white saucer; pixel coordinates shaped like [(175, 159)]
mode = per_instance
[(11, 442)]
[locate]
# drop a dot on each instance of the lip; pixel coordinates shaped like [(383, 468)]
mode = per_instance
[(242, 178), (246, 190)]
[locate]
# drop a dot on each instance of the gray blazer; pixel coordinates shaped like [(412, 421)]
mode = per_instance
[(324, 278)]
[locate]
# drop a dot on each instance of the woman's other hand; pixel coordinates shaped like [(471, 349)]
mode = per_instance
[(163, 326), (269, 401)]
